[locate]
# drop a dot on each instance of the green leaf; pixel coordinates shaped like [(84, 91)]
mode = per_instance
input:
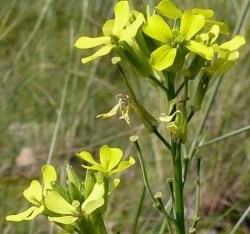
[(110, 157), (89, 42), (34, 193), (163, 57), (73, 177), (54, 202), (201, 49), (233, 44), (122, 15), (49, 175), (158, 29), (168, 9), (191, 24), (103, 51), (94, 200)]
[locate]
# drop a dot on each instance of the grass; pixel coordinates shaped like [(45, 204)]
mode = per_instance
[(49, 101)]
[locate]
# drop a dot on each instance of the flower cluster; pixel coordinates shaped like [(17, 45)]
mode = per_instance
[(169, 47), (82, 202), (191, 33)]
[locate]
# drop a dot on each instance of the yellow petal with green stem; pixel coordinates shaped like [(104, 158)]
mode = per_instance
[(201, 49), (131, 30), (233, 44), (54, 202), (90, 42), (34, 193), (122, 15), (101, 52), (191, 24), (49, 175), (110, 157), (67, 219), (94, 200), (163, 57), (158, 29), (168, 9)]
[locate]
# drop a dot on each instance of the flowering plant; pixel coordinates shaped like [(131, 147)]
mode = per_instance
[(176, 51)]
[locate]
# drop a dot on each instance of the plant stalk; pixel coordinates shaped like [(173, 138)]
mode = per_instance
[(178, 188)]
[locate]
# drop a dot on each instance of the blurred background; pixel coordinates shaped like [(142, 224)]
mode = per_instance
[(49, 102)]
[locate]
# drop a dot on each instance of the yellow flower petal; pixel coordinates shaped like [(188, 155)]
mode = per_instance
[(132, 29), (201, 49), (101, 52), (54, 202), (168, 9), (163, 57), (191, 24), (108, 27), (110, 157), (34, 193), (86, 156), (67, 219), (207, 13), (122, 14), (94, 200), (158, 29), (49, 175), (89, 42), (28, 214), (233, 44)]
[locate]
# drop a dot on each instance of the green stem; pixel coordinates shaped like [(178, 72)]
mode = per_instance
[(159, 84), (178, 188), (171, 86), (196, 217), (138, 211), (131, 92), (156, 203), (163, 140)]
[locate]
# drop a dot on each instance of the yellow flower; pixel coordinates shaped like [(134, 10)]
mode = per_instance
[(110, 161), (35, 195), (116, 30)]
